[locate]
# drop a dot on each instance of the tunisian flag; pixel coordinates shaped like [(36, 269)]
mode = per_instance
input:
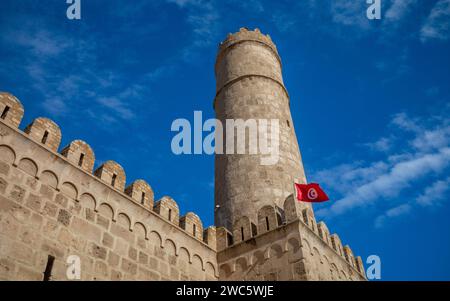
[(311, 193)]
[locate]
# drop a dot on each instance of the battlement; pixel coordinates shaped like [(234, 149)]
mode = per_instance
[(244, 34), (247, 53), (272, 219), (80, 155)]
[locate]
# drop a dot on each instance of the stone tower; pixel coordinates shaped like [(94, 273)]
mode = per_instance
[(250, 86), (263, 232)]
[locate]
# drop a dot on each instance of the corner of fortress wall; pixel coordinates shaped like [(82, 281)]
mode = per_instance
[(289, 247), (53, 204)]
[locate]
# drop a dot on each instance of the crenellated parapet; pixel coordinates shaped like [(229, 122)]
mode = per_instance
[(11, 109), (168, 209), (192, 224), (244, 34), (141, 192), (324, 233), (273, 219), (112, 173), (46, 133), (210, 236), (80, 153)]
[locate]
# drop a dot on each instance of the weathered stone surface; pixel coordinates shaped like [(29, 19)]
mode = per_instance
[(17, 194), (85, 229), (108, 240), (64, 217), (98, 251), (129, 267)]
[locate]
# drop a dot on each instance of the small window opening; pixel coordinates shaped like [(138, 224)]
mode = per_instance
[(254, 230), (48, 268), (267, 224), (229, 239), (80, 162), (113, 180), (44, 138), (242, 233), (194, 230), (288, 123), (170, 215), (5, 112), (143, 198)]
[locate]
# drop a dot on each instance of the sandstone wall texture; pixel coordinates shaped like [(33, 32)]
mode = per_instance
[(297, 249), (250, 86), (52, 205)]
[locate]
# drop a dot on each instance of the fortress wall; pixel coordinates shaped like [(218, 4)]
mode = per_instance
[(298, 249), (50, 205)]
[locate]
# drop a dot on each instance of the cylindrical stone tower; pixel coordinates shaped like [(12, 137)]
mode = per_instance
[(250, 86)]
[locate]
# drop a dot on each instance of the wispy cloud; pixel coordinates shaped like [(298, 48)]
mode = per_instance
[(437, 25), (392, 213), (350, 13), (434, 193), (398, 10), (203, 17), (383, 144), (425, 153)]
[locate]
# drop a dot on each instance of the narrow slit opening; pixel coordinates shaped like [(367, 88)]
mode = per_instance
[(113, 180), (143, 198), (45, 137), (5, 112), (80, 162), (49, 268)]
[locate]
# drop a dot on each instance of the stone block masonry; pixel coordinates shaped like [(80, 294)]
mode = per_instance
[(52, 205)]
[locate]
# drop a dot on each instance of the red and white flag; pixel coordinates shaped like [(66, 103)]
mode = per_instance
[(311, 193)]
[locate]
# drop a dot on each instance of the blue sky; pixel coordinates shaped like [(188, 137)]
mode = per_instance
[(370, 102)]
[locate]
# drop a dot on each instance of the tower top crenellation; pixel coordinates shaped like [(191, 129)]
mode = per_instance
[(244, 34)]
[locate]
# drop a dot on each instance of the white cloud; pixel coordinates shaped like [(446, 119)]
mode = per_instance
[(431, 196), (404, 122), (203, 17), (399, 176), (432, 139), (350, 13), (360, 184), (434, 193), (392, 213), (399, 9), (42, 43), (117, 105), (382, 145), (55, 105), (437, 25)]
